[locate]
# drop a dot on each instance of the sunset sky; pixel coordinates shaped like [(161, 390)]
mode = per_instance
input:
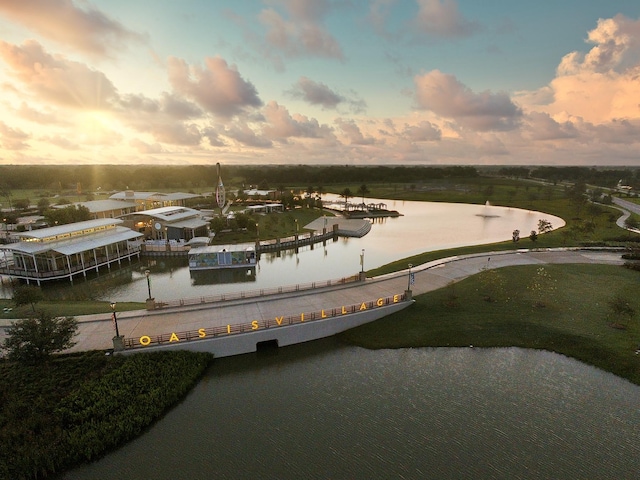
[(394, 82)]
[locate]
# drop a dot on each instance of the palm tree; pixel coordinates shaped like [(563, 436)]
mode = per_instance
[(363, 190), (346, 194)]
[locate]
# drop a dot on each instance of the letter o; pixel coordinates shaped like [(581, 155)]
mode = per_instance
[(145, 340)]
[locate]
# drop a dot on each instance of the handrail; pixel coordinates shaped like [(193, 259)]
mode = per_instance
[(223, 297), (257, 325)]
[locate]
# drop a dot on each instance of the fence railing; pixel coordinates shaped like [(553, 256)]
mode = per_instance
[(258, 325), (223, 297)]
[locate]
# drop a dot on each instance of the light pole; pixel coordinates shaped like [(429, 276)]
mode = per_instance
[(362, 261), (6, 229), (114, 317), (148, 275), (257, 231), (410, 278)]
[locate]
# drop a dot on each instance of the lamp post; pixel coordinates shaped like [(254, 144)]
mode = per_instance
[(118, 341), (147, 273), (6, 229), (410, 281), (362, 261), (114, 317)]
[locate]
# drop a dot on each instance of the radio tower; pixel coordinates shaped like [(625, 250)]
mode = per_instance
[(220, 193)]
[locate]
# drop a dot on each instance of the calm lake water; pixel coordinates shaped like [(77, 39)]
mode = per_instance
[(323, 410), (424, 226)]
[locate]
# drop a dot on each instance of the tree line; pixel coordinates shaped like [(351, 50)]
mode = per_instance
[(90, 178)]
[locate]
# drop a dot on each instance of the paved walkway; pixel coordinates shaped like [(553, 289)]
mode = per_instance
[(95, 331)]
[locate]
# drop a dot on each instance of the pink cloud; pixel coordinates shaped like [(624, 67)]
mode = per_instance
[(303, 33), (242, 133), (56, 79), (13, 139), (540, 126), (280, 124), (446, 96), (218, 88), (441, 18), (316, 93), (352, 131), (422, 132), (63, 21), (601, 85)]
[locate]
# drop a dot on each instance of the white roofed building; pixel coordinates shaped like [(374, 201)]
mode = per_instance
[(66, 250), (151, 200), (169, 223)]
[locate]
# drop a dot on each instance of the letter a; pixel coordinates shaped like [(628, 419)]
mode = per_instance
[(174, 338), (363, 306)]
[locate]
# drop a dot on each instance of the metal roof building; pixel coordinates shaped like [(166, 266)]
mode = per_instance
[(66, 250)]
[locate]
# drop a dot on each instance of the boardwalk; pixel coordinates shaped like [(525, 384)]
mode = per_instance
[(95, 331)]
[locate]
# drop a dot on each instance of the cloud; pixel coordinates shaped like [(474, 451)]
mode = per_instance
[(62, 142), (617, 44), (36, 116), (422, 132), (316, 93), (441, 18), (540, 126), (352, 131), (56, 79), (280, 124), (444, 95), (146, 148), (302, 33), (218, 88), (89, 30), (242, 133), (13, 139)]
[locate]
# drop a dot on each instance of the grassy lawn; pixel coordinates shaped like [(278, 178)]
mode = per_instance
[(575, 321), (66, 308)]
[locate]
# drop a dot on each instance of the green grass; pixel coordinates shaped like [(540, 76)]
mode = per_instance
[(273, 225), (67, 308), (77, 407), (576, 320)]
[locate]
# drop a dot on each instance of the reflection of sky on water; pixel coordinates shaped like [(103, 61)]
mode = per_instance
[(424, 226)]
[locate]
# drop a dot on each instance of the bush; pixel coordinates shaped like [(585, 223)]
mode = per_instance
[(35, 339)]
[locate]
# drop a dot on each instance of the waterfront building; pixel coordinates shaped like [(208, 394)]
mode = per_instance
[(63, 251), (169, 223), (108, 208), (151, 200)]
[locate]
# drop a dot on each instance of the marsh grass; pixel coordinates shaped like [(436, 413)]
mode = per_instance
[(75, 408)]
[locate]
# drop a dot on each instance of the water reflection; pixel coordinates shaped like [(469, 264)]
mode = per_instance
[(322, 410), (424, 226)]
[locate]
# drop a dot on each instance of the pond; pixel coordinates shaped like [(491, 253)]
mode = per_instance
[(324, 410), (423, 226)]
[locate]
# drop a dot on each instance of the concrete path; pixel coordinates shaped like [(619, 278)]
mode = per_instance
[(95, 331)]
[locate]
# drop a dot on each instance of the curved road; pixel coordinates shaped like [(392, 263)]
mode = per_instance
[(95, 331)]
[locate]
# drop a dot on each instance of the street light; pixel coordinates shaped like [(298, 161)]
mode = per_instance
[(114, 317), (362, 261), (148, 275), (410, 278)]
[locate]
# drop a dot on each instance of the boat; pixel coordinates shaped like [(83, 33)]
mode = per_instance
[(214, 257)]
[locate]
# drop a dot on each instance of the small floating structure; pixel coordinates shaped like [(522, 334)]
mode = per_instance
[(222, 256)]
